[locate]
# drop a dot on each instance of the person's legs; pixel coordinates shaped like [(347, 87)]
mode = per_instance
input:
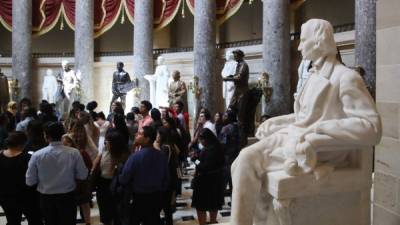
[(213, 216), (167, 207), (86, 212), (48, 209), (201, 217), (250, 168), (104, 200), (66, 209), (11, 210), (152, 204), (31, 209)]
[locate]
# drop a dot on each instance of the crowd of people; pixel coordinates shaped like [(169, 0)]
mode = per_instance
[(134, 163)]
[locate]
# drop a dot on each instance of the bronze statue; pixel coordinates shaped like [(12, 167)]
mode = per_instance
[(121, 84), (4, 93), (177, 90), (241, 94)]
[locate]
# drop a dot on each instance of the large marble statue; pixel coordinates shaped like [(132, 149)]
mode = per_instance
[(70, 81), (49, 89), (162, 76), (4, 92), (229, 68), (177, 90), (303, 74), (333, 114), (121, 84)]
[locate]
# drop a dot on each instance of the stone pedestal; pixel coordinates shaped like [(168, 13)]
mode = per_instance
[(276, 54), (22, 45), (365, 40), (205, 52), (143, 44), (84, 55)]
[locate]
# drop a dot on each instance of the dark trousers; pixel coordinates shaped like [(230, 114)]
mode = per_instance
[(58, 209), (107, 204), (146, 208), (168, 207), (15, 206)]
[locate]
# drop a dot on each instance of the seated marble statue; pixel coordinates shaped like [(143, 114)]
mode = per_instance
[(333, 114), (49, 89)]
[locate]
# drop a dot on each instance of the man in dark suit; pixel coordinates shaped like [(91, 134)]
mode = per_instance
[(120, 83)]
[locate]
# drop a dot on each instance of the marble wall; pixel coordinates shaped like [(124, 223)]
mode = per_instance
[(387, 154)]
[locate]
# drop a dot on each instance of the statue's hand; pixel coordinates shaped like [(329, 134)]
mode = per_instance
[(306, 156)]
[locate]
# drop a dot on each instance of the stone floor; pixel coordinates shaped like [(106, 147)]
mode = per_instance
[(185, 215)]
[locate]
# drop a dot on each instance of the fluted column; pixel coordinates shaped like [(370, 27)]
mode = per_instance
[(365, 40), (205, 51), (143, 44), (84, 51), (276, 54), (22, 45)]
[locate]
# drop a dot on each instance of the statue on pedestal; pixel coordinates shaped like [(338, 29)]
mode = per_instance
[(162, 76), (4, 92), (177, 90), (121, 84), (241, 93), (49, 89), (333, 115), (229, 68), (68, 82)]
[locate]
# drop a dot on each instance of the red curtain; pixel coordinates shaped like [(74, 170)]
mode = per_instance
[(46, 13), (164, 11), (225, 8)]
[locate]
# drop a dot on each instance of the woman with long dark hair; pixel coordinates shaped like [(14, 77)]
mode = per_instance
[(109, 162), (208, 191), (165, 143)]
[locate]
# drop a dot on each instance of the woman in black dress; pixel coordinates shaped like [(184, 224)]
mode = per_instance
[(208, 190), (16, 198)]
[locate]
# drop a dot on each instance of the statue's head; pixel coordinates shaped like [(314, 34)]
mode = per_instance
[(176, 75), (49, 72), (317, 40), (160, 60), (238, 55), (228, 55), (120, 66), (65, 64)]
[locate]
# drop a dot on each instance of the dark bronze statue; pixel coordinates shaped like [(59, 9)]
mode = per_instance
[(121, 84), (241, 93)]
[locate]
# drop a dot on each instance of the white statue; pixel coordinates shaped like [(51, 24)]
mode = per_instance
[(303, 75), (159, 84), (70, 79), (49, 89), (333, 113), (229, 69)]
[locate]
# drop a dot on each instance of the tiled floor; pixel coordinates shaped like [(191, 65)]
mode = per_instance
[(185, 215)]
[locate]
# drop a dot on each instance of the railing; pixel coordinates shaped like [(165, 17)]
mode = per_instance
[(156, 52)]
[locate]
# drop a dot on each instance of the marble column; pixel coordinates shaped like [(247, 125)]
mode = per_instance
[(84, 51), (276, 54), (22, 45), (205, 51), (365, 40), (143, 44)]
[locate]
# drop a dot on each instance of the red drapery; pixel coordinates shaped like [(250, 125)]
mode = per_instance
[(225, 8), (46, 13), (164, 11)]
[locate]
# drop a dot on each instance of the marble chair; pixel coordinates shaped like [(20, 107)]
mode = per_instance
[(341, 197)]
